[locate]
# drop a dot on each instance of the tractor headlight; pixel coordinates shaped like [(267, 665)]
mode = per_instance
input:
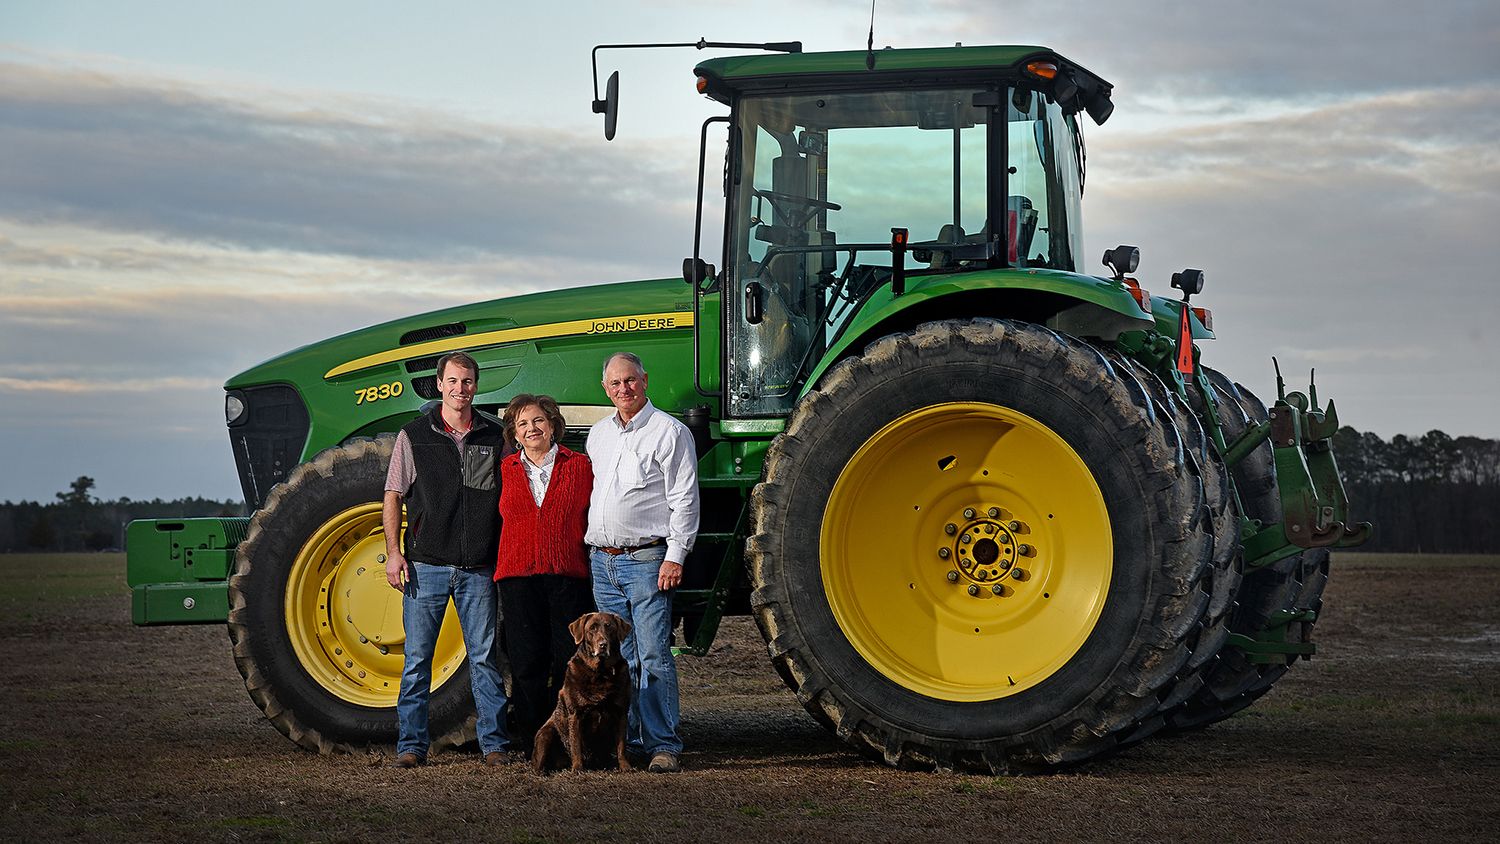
[(234, 409)]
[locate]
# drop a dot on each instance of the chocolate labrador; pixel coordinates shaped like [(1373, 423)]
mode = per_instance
[(593, 706)]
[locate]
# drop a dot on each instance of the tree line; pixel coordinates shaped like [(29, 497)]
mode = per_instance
[(1434, 493), (78, 521), (1429, 494)]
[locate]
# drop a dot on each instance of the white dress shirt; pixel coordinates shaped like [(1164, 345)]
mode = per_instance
[(645, 483), (539, 476)]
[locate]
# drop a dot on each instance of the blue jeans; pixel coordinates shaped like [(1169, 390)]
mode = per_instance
[(422, 608), (626, 586)]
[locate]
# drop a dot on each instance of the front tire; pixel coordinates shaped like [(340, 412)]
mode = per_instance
[(973, 438), (316, 629)]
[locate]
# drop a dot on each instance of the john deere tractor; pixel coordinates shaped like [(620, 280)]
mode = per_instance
[(988, 510)]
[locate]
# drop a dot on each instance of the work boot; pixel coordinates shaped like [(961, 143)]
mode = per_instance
[(499, 758), (409, 760), (664, 763)]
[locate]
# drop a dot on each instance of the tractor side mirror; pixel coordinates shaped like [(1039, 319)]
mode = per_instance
[(695, 271), (610, 105)]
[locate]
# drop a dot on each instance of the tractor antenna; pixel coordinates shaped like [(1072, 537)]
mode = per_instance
[(870, 42)]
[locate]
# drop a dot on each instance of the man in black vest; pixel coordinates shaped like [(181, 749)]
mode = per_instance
[(445, 469)]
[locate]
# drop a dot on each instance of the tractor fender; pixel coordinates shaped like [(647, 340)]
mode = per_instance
[(1082, 305)]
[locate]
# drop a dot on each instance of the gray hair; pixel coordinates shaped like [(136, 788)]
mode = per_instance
[(625, 356)]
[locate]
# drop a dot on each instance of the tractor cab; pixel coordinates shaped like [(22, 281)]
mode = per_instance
[(841, 179)]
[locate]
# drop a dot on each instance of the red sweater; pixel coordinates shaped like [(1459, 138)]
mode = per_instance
[(546, 539)]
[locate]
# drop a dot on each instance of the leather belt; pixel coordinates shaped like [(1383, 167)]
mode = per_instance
[(629, 549)]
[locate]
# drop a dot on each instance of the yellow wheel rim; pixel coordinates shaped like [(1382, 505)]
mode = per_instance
[(966, 551), (344, 619)]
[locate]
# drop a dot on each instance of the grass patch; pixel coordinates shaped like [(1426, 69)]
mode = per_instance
[(752, 811), (49, 578)]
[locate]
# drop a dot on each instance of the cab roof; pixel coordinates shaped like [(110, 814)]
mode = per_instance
[(1075, 87)]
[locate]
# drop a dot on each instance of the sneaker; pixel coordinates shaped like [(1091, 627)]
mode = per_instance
[(664, 763), (409, 760)]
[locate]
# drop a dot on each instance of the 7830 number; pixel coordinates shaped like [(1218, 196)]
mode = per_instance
[(365, 395)]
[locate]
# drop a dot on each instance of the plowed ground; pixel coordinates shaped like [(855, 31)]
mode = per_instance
[(1392, 732)]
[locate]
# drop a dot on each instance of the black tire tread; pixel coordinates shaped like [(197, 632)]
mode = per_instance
[(1183, 546), (252, 646)]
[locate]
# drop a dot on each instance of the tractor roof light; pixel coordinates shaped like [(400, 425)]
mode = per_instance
[(1190, 282), (1042, 69), (1122, 259)]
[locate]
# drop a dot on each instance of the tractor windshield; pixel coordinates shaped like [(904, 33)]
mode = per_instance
[(820, 181)]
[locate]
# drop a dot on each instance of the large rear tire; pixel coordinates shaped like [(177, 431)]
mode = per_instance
[(1233, 681), (316, 630), (889, 525)]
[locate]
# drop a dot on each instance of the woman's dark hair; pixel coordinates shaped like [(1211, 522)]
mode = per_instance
[(548, 406)]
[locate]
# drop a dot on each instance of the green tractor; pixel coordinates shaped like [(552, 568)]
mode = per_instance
[(989, 512)]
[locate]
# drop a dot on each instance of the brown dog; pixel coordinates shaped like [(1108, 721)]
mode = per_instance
[(593, 706)]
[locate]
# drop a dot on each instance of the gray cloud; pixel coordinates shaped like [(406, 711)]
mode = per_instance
[(1352, 238), (1270, 48), (138, 155)]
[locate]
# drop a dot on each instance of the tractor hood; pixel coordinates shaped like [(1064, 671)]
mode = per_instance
[(375, 379)]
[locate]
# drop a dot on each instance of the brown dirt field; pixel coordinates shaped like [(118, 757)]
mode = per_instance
[(1391, 733)]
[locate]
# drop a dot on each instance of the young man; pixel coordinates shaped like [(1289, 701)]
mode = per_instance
[(643, 517), (445, 469)]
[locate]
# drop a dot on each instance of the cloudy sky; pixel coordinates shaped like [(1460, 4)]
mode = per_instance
[(188, 188)]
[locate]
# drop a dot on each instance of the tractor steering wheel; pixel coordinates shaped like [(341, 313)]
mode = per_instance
[(793, 202)]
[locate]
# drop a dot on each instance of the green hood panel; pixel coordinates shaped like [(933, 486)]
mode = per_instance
[(367, 381), (883, 307)]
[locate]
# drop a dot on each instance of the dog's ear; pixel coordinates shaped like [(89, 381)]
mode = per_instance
[(576, 628), (622, 627)]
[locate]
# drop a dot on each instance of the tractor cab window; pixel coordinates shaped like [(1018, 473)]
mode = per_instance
[(1044, 193), (819, 184)]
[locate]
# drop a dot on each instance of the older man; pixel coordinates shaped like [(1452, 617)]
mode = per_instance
[(445, 470), (643, 517)]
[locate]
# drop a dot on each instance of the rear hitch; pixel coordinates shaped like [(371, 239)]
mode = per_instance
[(1314, 506)]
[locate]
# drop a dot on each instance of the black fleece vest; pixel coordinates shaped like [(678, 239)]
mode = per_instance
[(452, 509)]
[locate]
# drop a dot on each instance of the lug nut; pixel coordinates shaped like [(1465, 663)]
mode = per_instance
[(952, 576), (379, 558), (1018, 574), (994, 512), (1013, 525), (968, 512), (982, 574), (943, 553), (989, 528), (966, 538), (1004, 539), (998, 589), (950, 528), (973, 590), (1023, 549)]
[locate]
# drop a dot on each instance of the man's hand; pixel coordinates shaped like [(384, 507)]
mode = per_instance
[(395, 570), (670, 575)]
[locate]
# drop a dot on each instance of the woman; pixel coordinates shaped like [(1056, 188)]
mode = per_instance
[(543, 563)]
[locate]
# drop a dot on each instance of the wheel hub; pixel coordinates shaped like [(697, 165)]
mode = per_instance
[(986, 546)]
